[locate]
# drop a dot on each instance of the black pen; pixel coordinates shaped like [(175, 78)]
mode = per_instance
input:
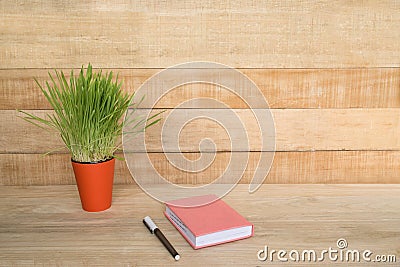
[(154, 230)]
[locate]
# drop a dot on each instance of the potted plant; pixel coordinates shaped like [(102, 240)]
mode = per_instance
[(89, 116)]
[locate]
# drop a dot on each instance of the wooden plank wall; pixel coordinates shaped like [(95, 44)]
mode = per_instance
[(330, 71)]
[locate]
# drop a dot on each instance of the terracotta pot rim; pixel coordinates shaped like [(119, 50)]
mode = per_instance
[(92, 162)]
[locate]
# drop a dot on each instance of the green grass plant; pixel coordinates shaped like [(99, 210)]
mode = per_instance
[(89, 113)]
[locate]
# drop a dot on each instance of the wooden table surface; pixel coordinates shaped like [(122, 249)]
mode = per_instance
[(45, 226)]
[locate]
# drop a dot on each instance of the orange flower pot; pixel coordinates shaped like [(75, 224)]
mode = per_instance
[(95, 183)]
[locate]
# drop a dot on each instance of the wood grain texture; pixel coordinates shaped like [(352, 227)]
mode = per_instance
[(330, 71), (153, 34), (282, 88), (48, 227), (333, 167), (296, 129)]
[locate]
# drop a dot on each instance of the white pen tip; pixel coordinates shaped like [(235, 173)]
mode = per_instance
[(177, 257)]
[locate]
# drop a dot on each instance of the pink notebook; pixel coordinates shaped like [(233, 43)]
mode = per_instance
[(207, 225)]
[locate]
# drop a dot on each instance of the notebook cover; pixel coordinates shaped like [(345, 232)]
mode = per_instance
[(201, 220)]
